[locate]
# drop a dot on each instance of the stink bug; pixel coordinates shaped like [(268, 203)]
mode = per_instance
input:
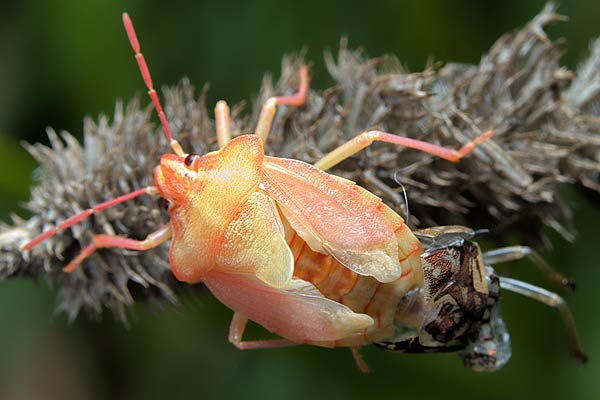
[(310, 256)]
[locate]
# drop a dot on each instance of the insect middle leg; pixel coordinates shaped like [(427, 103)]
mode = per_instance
[(223, 123), (365, 139), (513, 253), (236, 332), (267, 113)]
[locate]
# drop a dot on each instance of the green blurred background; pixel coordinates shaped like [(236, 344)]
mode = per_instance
[(63, 59)]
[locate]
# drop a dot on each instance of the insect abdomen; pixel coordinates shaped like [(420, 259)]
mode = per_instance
[(363, 294)]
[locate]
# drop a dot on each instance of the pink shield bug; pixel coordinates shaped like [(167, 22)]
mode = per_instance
[(310, 256)]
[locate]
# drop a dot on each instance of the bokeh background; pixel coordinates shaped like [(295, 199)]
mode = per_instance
[(62, 59)]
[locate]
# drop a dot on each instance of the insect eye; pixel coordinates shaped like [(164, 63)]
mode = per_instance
[(189, 160), (166, 204)]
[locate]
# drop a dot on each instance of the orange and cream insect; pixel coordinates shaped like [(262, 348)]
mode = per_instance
[(308, 255)]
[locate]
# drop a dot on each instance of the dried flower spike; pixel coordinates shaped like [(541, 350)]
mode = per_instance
[(547, 134)]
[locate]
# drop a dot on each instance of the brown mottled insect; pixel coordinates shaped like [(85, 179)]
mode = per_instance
[(458, 307)]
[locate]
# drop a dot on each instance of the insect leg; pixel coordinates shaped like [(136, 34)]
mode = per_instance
[(553, 300), (360, 361), (267, 113), (86, 213), (365, 139), (154, 239), (513, 253), (236, 332), (223, 122)]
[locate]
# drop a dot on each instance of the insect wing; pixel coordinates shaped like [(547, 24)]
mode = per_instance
[(297, 311), (335, 216), (254, 243)]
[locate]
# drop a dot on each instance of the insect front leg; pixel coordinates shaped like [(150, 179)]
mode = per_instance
[(153, 240), (236, 332), (365, 139), (86, 213), (100, 241), (267, 113)]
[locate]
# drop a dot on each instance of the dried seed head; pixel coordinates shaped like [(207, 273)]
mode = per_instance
[(546, 134)]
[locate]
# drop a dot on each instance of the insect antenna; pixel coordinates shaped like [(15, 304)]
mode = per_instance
[(135, 45), (147, 190), (405, 203)]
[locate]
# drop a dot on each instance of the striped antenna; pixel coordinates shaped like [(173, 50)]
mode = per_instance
[(135, 44)]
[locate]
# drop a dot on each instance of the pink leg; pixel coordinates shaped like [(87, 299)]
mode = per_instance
[(267, 113), (83, 215), (297, 99), (360, 361), (236, 332), (365, 139), (102, 241)]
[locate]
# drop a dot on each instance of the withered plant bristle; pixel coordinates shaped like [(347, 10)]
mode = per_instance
[(547, 133)]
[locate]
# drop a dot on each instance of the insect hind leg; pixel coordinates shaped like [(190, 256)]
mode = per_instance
[(360, 361), (553, 300), (367, 138)]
